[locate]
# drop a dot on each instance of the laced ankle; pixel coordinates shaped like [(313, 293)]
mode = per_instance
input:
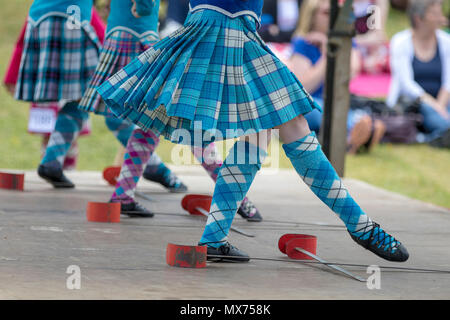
[(172, 180), (376, 236)]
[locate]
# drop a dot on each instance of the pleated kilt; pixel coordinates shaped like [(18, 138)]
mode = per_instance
[(214, 75), (119, 49), (57, 61)]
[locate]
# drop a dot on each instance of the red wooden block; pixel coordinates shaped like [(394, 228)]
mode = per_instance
[(110, 174), (307, 243), (12, 181), (103, 212), (187, 198), (186, 256), (205, 204), (287, 237)]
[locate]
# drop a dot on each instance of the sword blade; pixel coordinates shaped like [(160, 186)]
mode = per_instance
[(330, 265)]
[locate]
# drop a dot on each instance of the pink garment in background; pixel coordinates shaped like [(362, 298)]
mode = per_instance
[(371, 85)]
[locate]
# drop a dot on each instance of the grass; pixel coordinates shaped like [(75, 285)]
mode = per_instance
[(416, 171)]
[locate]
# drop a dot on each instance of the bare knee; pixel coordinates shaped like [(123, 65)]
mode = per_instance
[(294, 130)]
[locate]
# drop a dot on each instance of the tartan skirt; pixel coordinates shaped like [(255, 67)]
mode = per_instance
[(57, 61), (214, 75), (119, 48)]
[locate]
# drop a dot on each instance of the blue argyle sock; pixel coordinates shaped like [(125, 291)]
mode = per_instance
[(317, 172), (121, 129), (235, 178), (67, 128)]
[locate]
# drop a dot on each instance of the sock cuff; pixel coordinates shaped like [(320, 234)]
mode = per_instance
[(244, 152), (308, 143)]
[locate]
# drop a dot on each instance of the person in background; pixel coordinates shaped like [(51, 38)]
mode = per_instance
[(309, 62), (420, 63), (279, 20), (177, 11)]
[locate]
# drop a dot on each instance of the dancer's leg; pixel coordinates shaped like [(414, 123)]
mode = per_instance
[(155, 170), (235, 177), (305, 153), (70, 162), (121, 129), (140, 146), (211, 162), (67, 128)]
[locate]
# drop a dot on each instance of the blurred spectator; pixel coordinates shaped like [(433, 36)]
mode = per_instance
[(308, 63), (177, 11), (279, 20), (420, 63), (103, 7)]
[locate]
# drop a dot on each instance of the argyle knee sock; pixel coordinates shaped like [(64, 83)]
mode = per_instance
[(67, 128), (139, 148), (211, 162), (121, 129), (70, 162), (233, 182), (317, 172)]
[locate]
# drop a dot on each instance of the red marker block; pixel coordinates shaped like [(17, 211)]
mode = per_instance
[(284, 239), (103, 212), (190, 197), (205, 204), (12, 181), (110, 174), (186, 256), (306, 242)]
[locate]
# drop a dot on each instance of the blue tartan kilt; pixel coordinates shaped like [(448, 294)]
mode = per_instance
[(57, 61), (119, 49), (214, 75)]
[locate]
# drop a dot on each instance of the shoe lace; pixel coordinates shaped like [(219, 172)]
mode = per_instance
[(380, 238), (226, 248), (173, 181)]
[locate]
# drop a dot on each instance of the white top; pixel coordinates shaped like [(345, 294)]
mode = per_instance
[(401, 60)]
